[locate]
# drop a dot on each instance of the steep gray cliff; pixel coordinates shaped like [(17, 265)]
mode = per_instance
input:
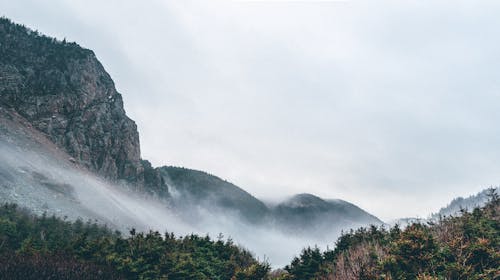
[(64, 91)]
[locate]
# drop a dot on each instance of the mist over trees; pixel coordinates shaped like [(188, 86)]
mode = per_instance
[(456, 247), (47, 247)]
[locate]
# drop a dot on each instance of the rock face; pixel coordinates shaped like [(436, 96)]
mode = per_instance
[(64, 91)]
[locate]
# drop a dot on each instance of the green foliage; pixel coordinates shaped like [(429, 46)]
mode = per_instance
[(139, 256), (412, 253), (307, 265), (463, 247), (52, 266)]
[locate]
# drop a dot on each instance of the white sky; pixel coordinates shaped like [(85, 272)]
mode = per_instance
[(391, 105)]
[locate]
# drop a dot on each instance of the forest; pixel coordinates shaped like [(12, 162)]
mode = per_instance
[(52, 248), (466, 246)]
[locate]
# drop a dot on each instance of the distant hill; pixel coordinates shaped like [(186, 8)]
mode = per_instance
[(302, 214), (307, 213), (456, 205), (189, 186), (454, 208)]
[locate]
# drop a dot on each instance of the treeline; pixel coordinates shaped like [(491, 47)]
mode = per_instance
[(47, 247), (461, 247)]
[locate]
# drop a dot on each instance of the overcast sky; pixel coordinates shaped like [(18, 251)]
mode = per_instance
[(391, 105)]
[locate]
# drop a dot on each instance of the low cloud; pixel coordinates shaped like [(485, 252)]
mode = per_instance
[(355, 100)]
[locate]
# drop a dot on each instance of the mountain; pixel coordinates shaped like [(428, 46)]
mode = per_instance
[(68, 148), (309, 214), (189, 187)]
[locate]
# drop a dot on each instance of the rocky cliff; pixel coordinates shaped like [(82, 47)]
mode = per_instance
[(64, 91)]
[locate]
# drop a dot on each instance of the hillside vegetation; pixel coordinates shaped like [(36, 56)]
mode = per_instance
[(461, 247), (51, 248)]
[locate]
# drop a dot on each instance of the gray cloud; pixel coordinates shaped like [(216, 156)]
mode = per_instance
[(391, 105)]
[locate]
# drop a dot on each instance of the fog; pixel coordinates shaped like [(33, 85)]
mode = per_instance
[(346, 99), (48, 183)]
